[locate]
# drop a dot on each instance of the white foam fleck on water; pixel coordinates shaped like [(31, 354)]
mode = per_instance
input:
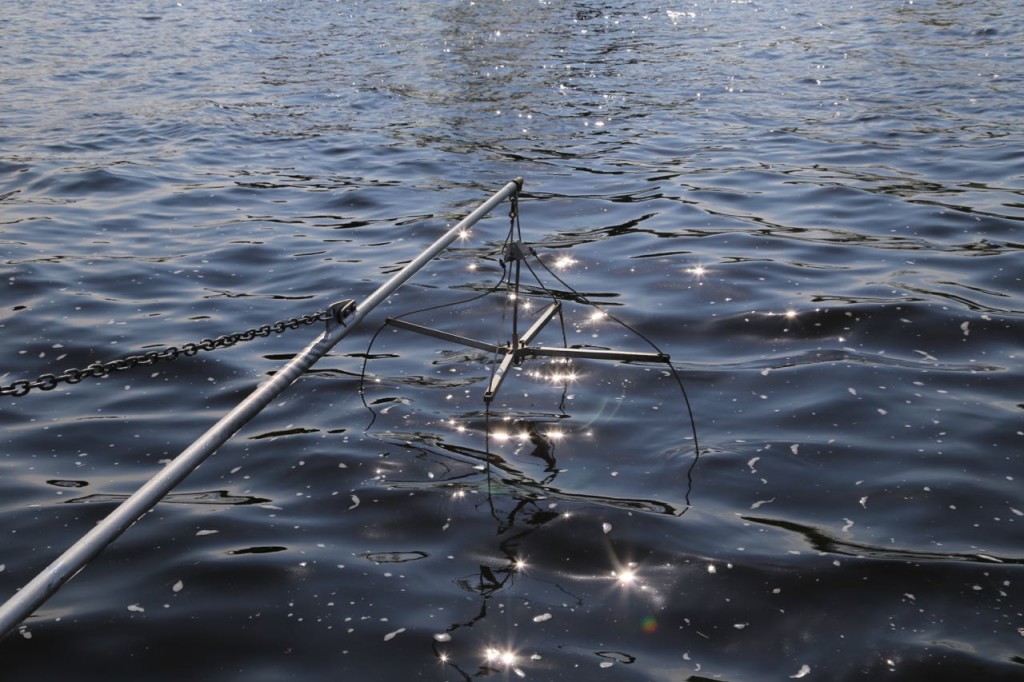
[(607, 664), (864, 501), (442, 637), (542, 617), (966, 327), (804, 671), (606, 527), (178, 586), (391, 635), (751, 464), (852, 391), (761, 502), (795, 448), (136, 608), (355, 502), (848, 525), (206, 532)]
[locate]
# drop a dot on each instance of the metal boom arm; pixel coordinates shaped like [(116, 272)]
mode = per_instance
[(46, 583)]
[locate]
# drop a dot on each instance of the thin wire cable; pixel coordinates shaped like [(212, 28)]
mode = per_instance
[(675, 374)]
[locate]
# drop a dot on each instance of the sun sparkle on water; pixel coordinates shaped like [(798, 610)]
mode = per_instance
[(626, 577), (504, 656)]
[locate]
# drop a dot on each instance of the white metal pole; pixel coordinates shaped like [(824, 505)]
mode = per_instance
[(46, 583)]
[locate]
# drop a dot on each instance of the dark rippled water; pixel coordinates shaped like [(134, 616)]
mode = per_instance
[(815, 208)]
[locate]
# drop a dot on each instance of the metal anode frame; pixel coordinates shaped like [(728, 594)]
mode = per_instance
[(518, 348)]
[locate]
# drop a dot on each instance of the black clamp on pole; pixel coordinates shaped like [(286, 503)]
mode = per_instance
[(338, 311)]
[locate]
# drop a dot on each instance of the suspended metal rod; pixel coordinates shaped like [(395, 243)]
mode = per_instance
[(44, 585), (514, 351), (446, 336)]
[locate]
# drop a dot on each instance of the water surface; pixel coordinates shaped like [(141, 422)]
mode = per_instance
[(814, 210)]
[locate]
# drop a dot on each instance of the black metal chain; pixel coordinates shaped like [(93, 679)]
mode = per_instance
[(47, 382)]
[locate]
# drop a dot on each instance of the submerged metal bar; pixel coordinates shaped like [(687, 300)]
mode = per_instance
[(499, 375), (544, 317), (515, 351), (593, 354), (46, 583), (445, 336)]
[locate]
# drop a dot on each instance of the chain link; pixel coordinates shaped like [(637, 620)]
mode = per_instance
[(47, 382)]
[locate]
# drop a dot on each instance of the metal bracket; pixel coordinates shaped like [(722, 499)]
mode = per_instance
[(515, 251), (338, 311)]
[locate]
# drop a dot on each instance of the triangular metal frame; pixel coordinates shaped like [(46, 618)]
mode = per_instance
[(519, 347)]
